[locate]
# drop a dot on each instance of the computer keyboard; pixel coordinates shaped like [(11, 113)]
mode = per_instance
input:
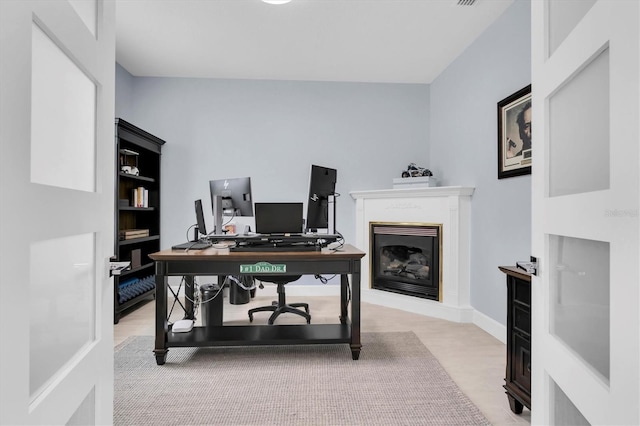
[(272, 248)]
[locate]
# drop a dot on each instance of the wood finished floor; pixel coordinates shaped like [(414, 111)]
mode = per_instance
[(474, 359)]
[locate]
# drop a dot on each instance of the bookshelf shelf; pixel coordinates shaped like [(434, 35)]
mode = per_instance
[(139, 240), (136, 270), (138, 178), (139, 209)]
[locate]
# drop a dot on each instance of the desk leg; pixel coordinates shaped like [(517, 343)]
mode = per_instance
[(161, 314), (355, 310)]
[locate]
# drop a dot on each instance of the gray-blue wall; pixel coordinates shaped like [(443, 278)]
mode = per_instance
[(274, 130), (464, 150), (125, 100)]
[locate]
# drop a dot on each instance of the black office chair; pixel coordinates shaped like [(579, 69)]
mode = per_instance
[(281, 306)]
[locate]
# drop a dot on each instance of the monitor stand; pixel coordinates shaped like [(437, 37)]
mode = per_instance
[(217, 214), (332, 214)]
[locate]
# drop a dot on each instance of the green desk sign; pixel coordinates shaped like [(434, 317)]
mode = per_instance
[(263, 268)]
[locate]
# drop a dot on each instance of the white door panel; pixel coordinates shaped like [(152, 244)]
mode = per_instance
[(585, 188), (57, 72)]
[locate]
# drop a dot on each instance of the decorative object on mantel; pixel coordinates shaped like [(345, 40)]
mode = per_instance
[(415, 171), (415, 177)]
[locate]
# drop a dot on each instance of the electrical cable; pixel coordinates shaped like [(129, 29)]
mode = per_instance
[(240, 284), (229, 221), (340, 241), (175, 299), (322, 279), (214, 296), (193, 243), (189, 229)]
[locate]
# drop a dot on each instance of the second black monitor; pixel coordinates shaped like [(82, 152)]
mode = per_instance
[(200, 223), (322, 183)]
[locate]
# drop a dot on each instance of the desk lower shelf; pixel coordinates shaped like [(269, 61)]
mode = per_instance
[(242, 335)]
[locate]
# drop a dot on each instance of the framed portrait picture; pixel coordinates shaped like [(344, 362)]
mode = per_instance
[(514, 134)]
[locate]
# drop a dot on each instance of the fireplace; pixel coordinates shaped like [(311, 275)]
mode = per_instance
[(406, 258), (446, 205)]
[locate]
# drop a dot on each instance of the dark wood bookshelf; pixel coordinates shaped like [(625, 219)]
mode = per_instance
[(139, 148)]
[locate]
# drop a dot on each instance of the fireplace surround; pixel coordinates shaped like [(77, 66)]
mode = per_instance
[(448, 206)]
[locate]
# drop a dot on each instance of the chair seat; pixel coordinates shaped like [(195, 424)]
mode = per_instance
[(281, 306), (277, 279)]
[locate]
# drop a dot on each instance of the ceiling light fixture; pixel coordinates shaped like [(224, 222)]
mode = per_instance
[(276, 1)]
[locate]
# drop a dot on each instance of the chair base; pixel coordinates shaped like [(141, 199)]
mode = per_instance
[(281, 307)]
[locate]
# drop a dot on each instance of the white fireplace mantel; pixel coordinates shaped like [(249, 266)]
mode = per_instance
[(447, 205), (437, 191)]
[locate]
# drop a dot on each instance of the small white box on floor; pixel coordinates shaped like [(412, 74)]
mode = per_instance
[(415, 182)]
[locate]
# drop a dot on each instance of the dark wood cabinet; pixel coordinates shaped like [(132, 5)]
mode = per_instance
[(137, 214), (518, 374)]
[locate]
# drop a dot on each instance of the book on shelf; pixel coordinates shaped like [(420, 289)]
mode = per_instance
[(129, 234), (140, 197)]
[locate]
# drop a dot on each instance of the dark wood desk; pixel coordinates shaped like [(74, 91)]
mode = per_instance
[(224, 262), (518, 375)]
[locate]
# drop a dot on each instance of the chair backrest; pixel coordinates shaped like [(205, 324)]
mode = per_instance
[(278, 279)]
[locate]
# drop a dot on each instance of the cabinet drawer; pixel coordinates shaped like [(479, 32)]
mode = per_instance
[(521, 320), (521, 362), (521, 291)]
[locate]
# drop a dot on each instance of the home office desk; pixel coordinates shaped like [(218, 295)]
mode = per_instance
[(222, 262)]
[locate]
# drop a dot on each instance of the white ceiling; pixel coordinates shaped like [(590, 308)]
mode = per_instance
[(380, 41)]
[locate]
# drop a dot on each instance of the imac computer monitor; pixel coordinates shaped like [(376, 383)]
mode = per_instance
[(230, 197), (235, 195), (322, 183)]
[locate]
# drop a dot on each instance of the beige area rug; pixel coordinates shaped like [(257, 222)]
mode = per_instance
[(396, 381)]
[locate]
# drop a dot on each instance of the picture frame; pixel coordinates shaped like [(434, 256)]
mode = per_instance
[(514, 134)]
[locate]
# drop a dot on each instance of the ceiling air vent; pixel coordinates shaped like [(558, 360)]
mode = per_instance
[(466, 2)]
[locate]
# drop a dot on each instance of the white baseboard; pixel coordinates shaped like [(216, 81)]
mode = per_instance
[(416, 305), (491, 326)]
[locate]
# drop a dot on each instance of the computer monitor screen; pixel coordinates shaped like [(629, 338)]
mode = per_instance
[(202, 227), (322, 183), (279, 218), (236, 196)]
